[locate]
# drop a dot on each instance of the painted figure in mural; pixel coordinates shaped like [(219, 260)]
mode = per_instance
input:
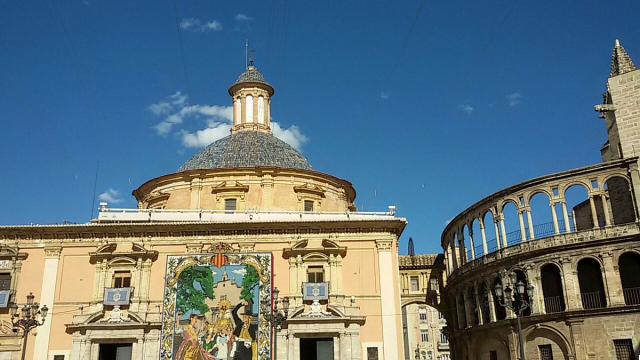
[(246, 347), (224, 339), (190, 348)]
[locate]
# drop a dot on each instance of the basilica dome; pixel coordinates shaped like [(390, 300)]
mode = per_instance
[(247, 149)]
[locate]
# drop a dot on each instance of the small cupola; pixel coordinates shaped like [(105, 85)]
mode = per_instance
[(251, 96)]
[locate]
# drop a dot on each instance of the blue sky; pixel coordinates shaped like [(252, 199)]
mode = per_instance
[(428, 115)]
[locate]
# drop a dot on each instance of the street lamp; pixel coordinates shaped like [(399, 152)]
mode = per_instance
[(27, 319), (275, 317), (515, 301)]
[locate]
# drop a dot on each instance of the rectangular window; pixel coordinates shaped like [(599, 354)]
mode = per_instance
[(415, 283), (423, 317), (372, 353), (121, 279), (443, 338), (315, 274), (58, 357), (308, 206), (5, 281), (545, 352), (230, 204), (624, 349), (493, 355), (440, 316), (424, 335)]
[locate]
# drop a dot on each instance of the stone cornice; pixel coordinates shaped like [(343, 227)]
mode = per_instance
[(85, 234)]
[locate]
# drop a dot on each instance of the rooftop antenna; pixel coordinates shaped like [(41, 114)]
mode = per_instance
[(246, 53), (95, 185)]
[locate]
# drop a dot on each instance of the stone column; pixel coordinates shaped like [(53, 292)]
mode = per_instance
[(594, 214), (605, 209), (390, 325), (479, 304), (612, 281), (570, 285), (453, 254), (47, 293), (484, 236), (565, 216), (537, 303), (554, 217), (492, 305), (522, 231), (332, 274), (530, 221), (339, 274), (495, 226), (503, 231), (468, 304), (463, 250), (473, 246)]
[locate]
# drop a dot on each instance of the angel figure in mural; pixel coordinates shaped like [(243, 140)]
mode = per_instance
[(246, 347), (190, 348)]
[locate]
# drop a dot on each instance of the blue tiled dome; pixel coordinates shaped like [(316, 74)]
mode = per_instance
[(247, 149)]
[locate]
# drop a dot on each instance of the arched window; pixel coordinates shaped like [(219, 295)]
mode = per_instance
[(523, 278), (260, 110), (591, 284), (552, 289), (629, 265), (249, 107)]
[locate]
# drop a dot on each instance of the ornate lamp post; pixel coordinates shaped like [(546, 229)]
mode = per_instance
[(515, 301), (275, 317), (27, 319)]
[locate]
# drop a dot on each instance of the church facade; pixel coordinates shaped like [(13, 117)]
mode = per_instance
[(191, 272)]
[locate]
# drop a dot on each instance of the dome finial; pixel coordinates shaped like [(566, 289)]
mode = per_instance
[(251, 58)]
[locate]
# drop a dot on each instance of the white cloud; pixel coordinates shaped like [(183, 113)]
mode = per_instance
[(111, 196), (243, 17), (466, 108), (514, 99), (202, 138), (242, 271), (385, 95), (175, 111), (291, 136), (193, 24)]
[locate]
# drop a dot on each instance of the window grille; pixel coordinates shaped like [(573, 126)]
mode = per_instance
[(545, 352), (443, 338), (624, 349), (372, 353)]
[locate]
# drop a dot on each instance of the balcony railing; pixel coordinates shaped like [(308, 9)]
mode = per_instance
[(592, 300), (515, 237), (553, 304), (631, 296)]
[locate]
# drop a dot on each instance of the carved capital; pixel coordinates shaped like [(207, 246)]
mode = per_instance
[(384, 245), (52, 252), (194, 248)]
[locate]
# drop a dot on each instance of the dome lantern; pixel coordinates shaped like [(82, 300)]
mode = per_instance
[(251, 96)]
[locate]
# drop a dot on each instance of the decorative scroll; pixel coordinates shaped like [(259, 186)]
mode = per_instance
[(211, 307)]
